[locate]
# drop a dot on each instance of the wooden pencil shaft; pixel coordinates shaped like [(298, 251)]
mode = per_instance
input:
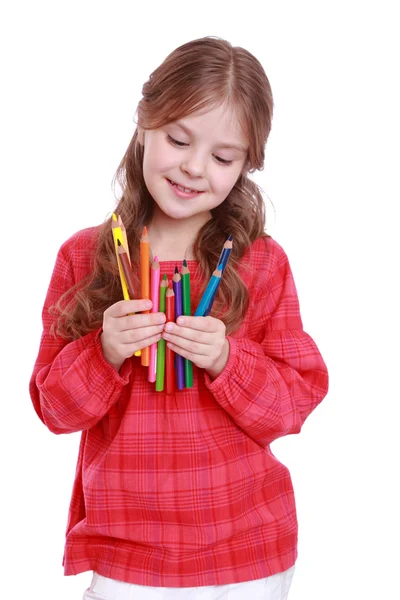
[(128, 274)]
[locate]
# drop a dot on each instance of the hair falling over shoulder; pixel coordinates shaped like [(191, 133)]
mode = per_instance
[(196, 76)]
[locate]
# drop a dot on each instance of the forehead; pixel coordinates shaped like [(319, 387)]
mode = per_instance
[(220, 124)]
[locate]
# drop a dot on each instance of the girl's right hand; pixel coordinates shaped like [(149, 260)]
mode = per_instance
[(124, 333)]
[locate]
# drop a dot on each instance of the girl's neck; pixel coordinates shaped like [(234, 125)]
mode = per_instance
[(173, 239)]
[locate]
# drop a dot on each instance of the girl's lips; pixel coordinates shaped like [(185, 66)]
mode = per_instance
[(180, 193)]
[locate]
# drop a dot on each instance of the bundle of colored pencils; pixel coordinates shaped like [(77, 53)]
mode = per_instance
[(165, 368)]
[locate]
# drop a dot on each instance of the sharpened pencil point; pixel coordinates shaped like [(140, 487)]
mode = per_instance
[(176, 270), (184, 262), (165, 276), (119, 243), (230, 238)]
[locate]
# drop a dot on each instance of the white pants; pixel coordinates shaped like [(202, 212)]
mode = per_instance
[(275, 587)]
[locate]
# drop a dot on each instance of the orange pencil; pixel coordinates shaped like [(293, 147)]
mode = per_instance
[(145, 282)]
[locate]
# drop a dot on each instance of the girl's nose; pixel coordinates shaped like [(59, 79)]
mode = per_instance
[(194, 165)]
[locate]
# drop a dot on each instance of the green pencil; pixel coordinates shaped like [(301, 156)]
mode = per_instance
[(186, 311)]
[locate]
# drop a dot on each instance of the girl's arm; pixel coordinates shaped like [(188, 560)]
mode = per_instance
[(272, 382), (72, 386)]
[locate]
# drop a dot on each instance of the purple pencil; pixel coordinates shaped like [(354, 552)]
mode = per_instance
[(180, 361)]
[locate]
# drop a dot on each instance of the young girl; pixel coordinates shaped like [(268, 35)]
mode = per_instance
[(179, 495)]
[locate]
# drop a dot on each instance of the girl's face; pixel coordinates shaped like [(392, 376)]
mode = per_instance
[(191, 165)]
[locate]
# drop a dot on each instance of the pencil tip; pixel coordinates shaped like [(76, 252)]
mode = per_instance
[(145, 230), (184, 262), (118, 242), (176, 270), (230, 238), (114, 216), (165, 276)]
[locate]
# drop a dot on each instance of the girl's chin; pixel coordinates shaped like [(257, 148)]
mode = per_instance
[(180, 213)]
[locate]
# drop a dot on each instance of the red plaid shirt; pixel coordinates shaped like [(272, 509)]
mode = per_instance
[(183, 489)]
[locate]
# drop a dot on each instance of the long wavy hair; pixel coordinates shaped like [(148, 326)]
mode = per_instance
[(198, 75)]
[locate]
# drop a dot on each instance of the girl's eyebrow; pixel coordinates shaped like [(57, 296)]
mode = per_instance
[(221, 145)]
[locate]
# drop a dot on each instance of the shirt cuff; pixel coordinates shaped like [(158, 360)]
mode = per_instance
[(219, 382), (120, 377)]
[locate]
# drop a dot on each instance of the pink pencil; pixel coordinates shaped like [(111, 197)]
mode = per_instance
[(154, 297)]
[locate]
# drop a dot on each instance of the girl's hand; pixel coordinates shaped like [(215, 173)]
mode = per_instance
[(201, 340), (124, 333)]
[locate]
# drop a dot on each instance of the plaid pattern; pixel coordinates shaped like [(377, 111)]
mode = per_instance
[(183, 490)]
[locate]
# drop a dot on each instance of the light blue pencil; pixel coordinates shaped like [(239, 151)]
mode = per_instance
[(209, 291)]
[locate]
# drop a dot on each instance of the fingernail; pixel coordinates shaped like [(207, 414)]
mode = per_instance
[(168, 327), (181, 321)]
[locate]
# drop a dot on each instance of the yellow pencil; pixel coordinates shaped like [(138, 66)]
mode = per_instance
[(118, 235)]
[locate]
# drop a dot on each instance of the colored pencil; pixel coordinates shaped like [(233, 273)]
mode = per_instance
[(169, 356), (124, 237), (145, 282), (118, 236), (223, 259), (186, 311), (160, 370), (209, 291), (154, 295), (126, 269), (180, 364)]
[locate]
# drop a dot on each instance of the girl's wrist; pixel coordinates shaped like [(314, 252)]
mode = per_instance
[(113, 361), (220, 364)]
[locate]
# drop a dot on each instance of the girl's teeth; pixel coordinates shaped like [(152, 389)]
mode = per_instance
[(187, 190)]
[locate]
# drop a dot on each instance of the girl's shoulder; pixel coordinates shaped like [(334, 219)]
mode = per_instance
[(82, 240), (80, 246), (264, 260), (77, 253)]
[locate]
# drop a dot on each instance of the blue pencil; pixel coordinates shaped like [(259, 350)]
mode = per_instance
[(226, 250), (209, 291)]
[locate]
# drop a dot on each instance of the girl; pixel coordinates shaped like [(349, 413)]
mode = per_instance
[(180, 495)]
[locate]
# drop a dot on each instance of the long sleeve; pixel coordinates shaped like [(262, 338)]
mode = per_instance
[(275, 377), (72, 386)]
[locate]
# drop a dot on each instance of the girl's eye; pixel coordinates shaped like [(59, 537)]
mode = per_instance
[(222, 161), (179, 144), (176, 142)]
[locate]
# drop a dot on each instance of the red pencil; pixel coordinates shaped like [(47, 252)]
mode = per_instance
[(169, 356)]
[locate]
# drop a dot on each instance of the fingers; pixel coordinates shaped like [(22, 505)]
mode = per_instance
[(125, 307), (129, 322), (197, 329), (136, 336), (206, 324), (126, 314)]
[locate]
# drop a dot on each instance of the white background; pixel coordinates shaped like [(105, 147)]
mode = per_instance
[(71, 78)]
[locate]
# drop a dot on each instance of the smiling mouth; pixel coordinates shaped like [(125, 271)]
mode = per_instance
[(184, 189)]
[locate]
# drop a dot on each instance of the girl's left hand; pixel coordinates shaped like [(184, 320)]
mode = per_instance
[(201, 340)]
